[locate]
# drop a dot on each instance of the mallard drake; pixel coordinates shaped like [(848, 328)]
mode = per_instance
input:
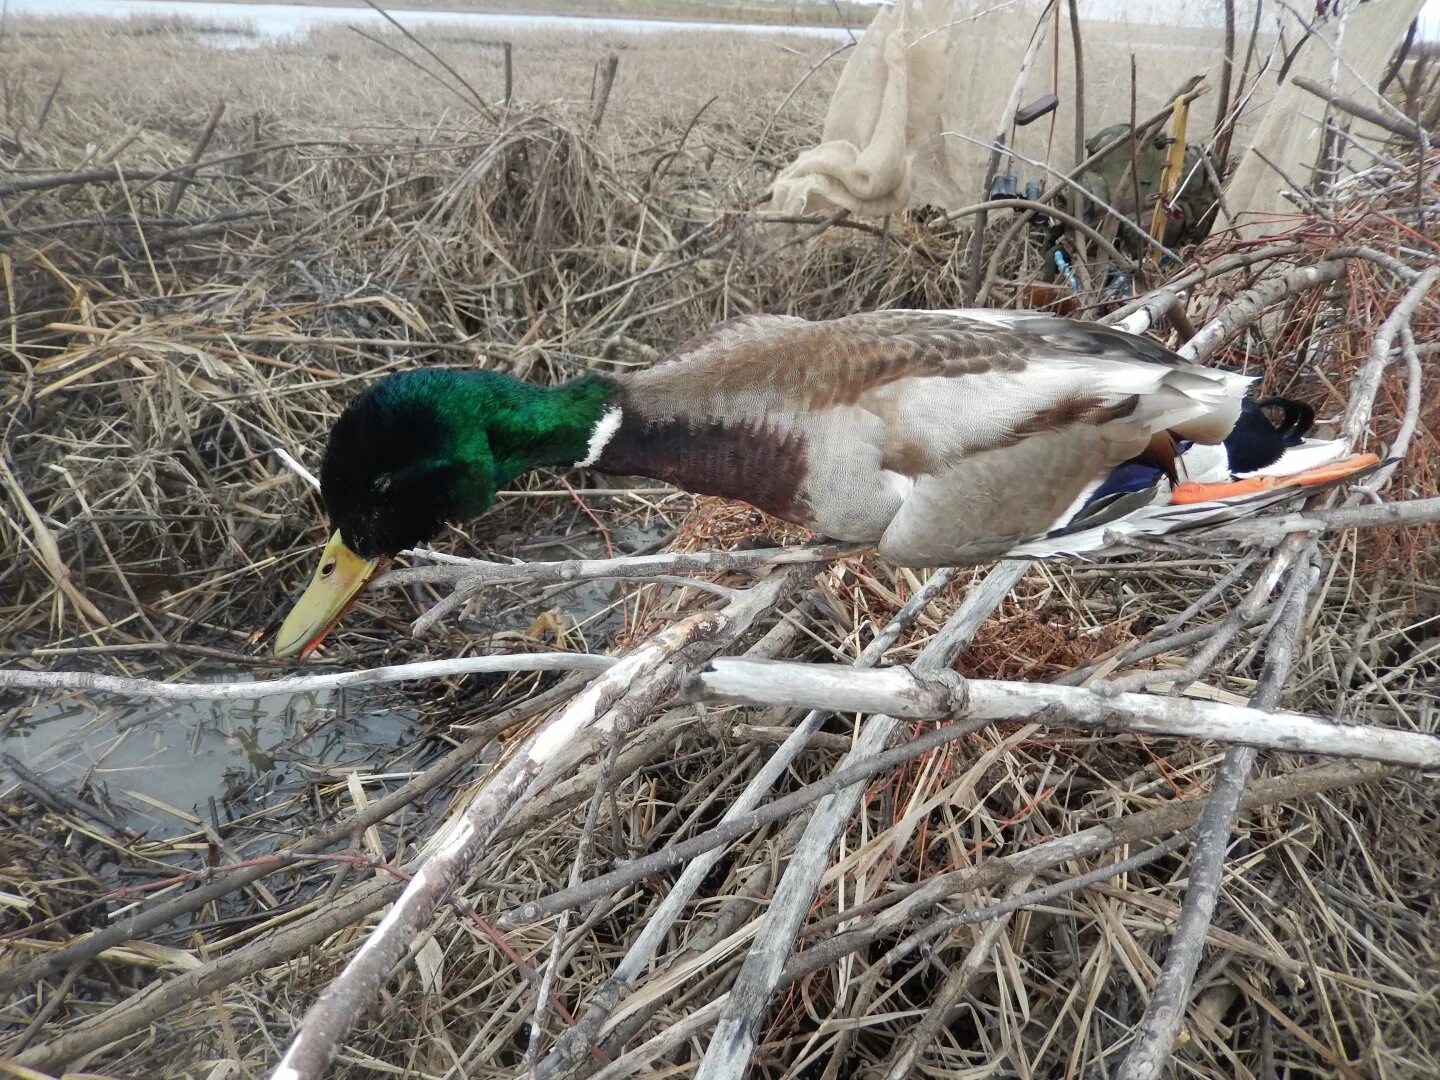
[(942, 437)]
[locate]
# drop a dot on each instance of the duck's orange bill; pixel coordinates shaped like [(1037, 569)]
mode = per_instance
[(1321, 474), (337, 582)]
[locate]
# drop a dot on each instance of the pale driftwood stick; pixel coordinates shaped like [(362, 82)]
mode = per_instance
[(1366, 383), (91, 682), (924, 694), (576, 1042), (330, 1019), (728, 1054), (1223, 265), (637, 683), (1149, 310), (1162, 300), (469, 576), (1409, 421), (1159, 1027), (905, 904), (1251, 304)]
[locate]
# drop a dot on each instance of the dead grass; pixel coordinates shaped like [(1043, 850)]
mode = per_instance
[(356, 218)]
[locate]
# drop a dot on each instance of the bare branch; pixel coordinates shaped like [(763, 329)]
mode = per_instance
[(336, 1011), (729, 1051), (92, 682), (930, 695), (469, 576)]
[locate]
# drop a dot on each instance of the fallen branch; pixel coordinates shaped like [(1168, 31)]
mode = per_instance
[(576, 1042), (733, 1042), (1366, 383), (330, 1019), (469, 576), (635, 685), (1405, 129), (92, 682), (1160, 1026), (932, 695), (1251, 304)]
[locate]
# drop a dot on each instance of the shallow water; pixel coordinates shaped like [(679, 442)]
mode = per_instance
[(257, 23), (157, 767)]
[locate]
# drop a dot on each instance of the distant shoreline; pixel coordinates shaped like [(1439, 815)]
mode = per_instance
[(679, 11)]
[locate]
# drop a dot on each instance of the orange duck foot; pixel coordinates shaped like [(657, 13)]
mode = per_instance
[(1322, 474)]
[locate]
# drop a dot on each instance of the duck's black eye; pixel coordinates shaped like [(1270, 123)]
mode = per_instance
[(326, 569), (381, 484)]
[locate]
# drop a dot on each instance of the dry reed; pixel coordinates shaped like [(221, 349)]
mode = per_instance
[(168, 323)]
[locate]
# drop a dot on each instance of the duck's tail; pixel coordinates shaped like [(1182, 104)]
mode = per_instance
[(1103, 526), (1265, 460)]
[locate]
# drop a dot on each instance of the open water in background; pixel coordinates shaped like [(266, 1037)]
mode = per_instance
[(257, 24)]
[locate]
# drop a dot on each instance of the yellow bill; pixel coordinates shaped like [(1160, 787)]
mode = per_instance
[(337, 581)]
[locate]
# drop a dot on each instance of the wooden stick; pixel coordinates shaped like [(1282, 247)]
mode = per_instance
[(1160, 1026), (469, 576), (576, 1042), (178, 188), (1406, 130), (932, 695), (92, 682), (602, 95), (637, 684), (330, 1019), (728, 1054)]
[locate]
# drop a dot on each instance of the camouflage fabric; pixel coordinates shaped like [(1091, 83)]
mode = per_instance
[(1197, 204), (1197, 201)]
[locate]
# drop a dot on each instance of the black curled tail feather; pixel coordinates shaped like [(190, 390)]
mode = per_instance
[(1256, 441), (1298, 418)]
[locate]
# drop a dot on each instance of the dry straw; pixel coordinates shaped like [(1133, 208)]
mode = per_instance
[(644, 884)]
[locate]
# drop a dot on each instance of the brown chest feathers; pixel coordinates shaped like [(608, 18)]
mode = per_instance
[(756, 462)]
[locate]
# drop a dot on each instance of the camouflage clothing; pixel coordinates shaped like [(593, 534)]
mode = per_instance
[(1195, 209)]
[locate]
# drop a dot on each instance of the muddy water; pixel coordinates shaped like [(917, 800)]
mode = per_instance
[(157, 767)]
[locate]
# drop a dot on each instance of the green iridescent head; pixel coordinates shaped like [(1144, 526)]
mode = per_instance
[(422, 448)]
